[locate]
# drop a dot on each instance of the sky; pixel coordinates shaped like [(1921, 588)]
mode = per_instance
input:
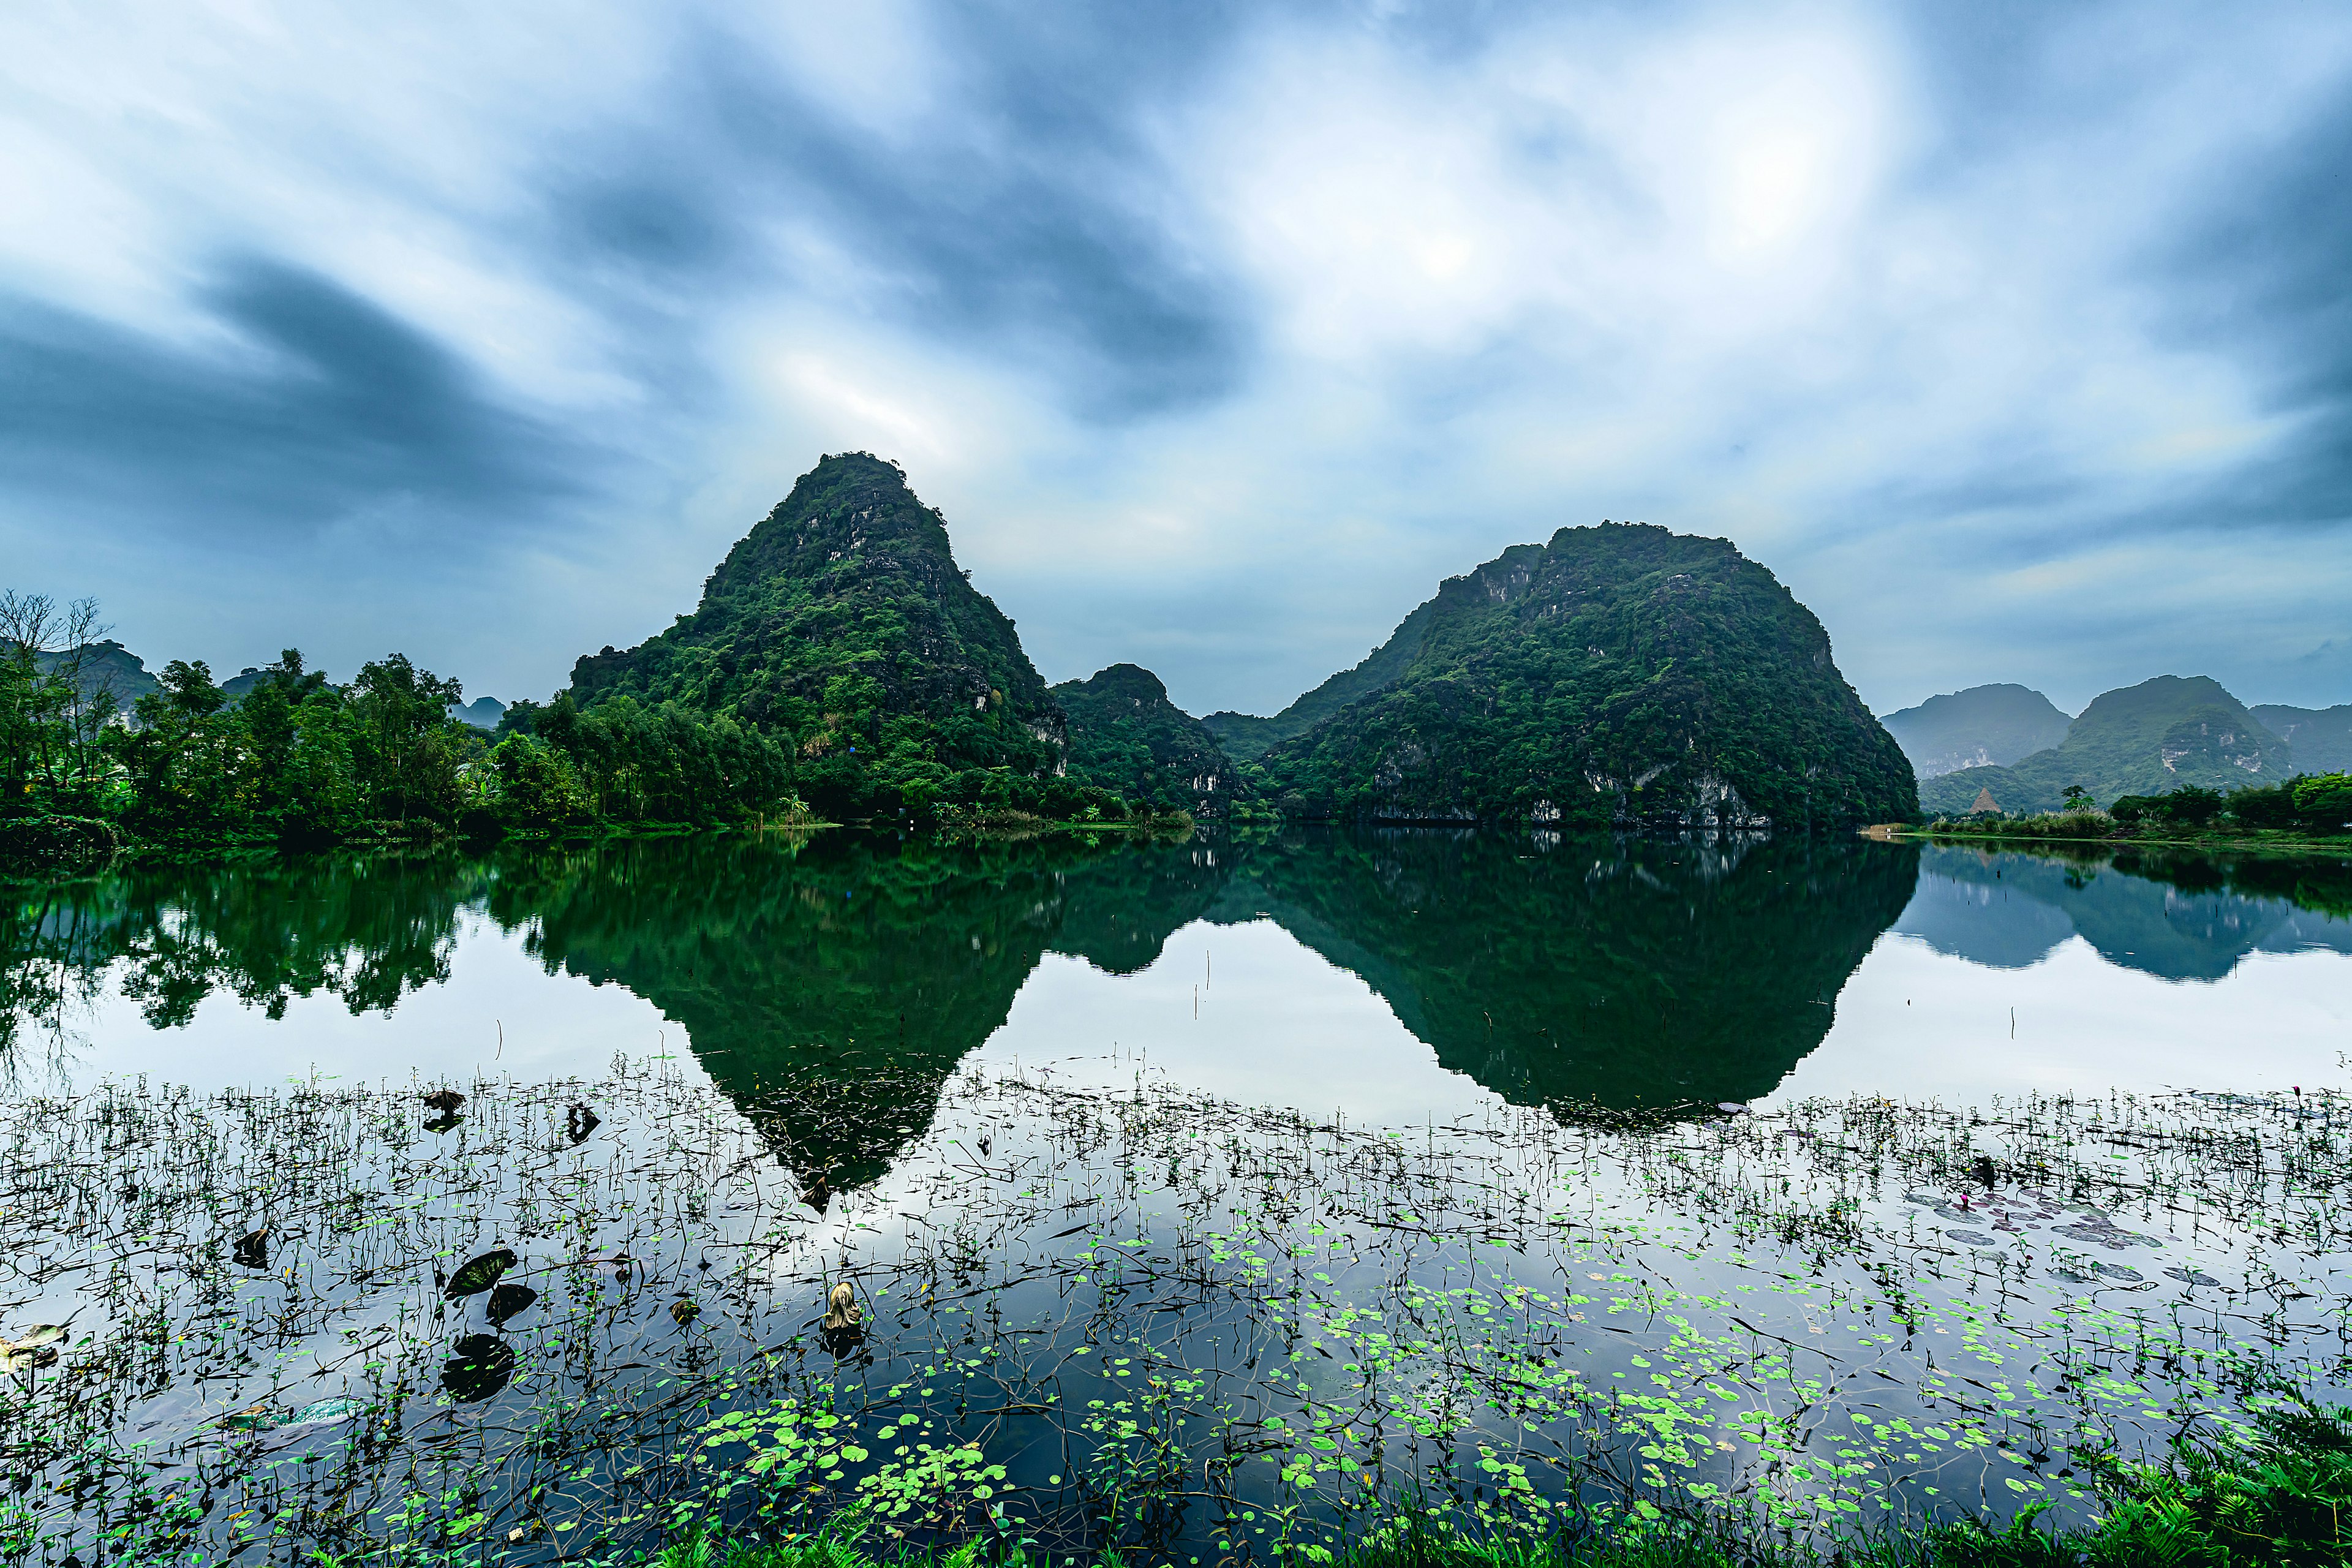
[(2015, 339)]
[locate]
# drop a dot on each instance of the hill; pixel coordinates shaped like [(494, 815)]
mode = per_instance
[(1245, 736), (482, 712), (103, 669), (1984, 726), (2321, 737), (1618, 675), (843, 621), (1127, 737), (2147, 739)]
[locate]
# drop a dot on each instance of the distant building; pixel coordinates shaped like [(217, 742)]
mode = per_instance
[(1985, 802)]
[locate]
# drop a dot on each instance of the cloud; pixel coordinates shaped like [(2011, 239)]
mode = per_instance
[(2012, 338)]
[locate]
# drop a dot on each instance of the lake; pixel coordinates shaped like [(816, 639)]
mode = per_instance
[(1201, 1197)]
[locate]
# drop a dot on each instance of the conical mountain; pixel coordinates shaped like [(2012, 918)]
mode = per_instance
[(1128, 737), (843, 620), (1621, 674)]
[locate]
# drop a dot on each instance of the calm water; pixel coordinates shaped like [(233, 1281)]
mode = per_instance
[(1011, 1095), (1390, 975)]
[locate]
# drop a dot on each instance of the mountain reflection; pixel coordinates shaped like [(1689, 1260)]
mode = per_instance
[(832, 985), (2178, 915)]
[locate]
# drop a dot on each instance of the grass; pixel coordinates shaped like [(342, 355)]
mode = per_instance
[(2280, 1498), (1153, 1326), (2099, 827)]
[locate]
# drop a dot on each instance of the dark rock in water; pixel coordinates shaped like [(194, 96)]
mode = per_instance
[(252, 1250), (483, 1364), (1981, 1168), (477, 1275), (446, 1122), (445, 1100), (683, 1311), (578, 1122), (510, 1301)]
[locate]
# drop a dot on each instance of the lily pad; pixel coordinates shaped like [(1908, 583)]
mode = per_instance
[(477, 1275)]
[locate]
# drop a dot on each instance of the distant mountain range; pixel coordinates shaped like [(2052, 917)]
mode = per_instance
[(2321, 738), (482, 712), (2147, 739), (1985, 726)]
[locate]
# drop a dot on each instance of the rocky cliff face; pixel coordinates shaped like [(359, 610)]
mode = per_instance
[(1618, 675), (1126, 736), (843, 619)]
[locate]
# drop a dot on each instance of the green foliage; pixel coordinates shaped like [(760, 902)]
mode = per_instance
[(300, 760), (1127, 737), (1622, 674), (2145, 740), (2191, 806), (841, 626), (2280, 1496), (2318, 806), (2321, 737), (2325, 802)]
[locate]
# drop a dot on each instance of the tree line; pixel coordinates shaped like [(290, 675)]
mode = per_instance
[(300, 758)]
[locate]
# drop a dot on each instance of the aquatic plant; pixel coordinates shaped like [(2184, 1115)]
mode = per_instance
[(1150, 1323)]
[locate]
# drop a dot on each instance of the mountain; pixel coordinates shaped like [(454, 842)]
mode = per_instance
[(1245, 736), (1983, 726), (2147, 739), (106, 668), (843, 620), (2321, 737), (1617, 675), (482, 712), (1127, 737)]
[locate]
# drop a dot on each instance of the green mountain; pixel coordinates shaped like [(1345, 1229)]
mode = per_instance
[(2321, 737), (1127, 737), (1984, 726), (102, 669), (843, 621), (1245, 736), (1618, 675), (2141, 739)]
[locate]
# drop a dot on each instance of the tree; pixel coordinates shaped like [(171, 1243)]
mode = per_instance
[(2077, 798)]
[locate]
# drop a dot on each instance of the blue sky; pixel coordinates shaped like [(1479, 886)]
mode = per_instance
[(2015, 339)]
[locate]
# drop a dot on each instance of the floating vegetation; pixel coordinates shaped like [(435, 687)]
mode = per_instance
[(245, 1327)]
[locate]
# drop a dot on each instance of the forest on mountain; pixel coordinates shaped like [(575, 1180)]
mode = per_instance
[(1618, 675), (842, 626), (2143, 739), (1126, 736)]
